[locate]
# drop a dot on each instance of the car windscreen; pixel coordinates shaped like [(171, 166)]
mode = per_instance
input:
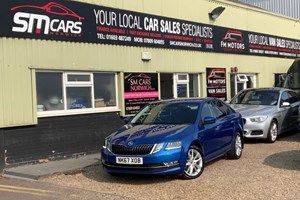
[(167, 113), (257, 97)]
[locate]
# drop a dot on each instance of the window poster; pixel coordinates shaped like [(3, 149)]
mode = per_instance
[(139, 89), (216, 82)]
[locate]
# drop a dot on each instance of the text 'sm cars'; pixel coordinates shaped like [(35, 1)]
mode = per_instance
[(174, 137)]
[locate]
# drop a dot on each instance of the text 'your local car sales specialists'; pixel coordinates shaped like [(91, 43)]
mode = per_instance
[(127, 27), (74, 21)]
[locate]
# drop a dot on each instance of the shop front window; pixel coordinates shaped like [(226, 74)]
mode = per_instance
[(78, 78), (63, 92), (78, 97), (279, 79), (49, 91), (179, 85), (104, 90), (193, 85), (182, 90)]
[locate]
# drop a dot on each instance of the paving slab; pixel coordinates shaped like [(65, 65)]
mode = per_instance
[(37, 171)]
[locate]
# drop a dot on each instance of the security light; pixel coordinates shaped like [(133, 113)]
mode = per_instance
[(215, 13)]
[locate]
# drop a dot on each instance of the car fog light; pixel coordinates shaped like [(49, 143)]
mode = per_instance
[(172, 163)]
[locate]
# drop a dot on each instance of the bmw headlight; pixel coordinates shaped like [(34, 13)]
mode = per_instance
[(107, 145), (258, 118), (173, 145)]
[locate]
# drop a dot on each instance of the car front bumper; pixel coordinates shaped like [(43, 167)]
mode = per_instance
[(165, 162), (256, 130)]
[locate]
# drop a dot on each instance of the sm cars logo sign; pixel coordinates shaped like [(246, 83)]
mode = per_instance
[(48, 19)]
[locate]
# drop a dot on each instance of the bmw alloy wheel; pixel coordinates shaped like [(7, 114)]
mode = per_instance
[(273, 132)]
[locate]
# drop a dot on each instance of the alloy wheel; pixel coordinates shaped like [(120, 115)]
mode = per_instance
[(273, 131), (194, 163), (238, 145)]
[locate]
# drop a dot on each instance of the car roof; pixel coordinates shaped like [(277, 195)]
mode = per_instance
[(268, 88), (180, 100)]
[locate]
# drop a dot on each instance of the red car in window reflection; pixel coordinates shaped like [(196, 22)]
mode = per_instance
[(138, 76), (141, 76), (233, 36), (53, 8), (217, 74)]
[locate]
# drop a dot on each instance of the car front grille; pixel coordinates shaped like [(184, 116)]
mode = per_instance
[(256, 132), (143, 149)]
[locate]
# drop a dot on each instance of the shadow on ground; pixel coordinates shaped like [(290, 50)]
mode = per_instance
[(290, 136), (289, 160), (98, 174)]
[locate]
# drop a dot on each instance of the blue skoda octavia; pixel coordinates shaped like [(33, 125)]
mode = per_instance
[(176, 136)]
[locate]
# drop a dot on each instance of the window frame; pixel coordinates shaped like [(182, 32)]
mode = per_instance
[(78, 84), (177, 82), (183, 80), (241, 77), (242, 81), (67, 82)]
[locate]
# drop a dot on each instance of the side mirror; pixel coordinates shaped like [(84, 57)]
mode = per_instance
[(285, 104), (209, 120)]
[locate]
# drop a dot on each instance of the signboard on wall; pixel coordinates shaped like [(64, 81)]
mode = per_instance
[(216, 82), (139, 89), (80, 22)]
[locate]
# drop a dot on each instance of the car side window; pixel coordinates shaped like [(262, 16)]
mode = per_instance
[(221, 109), (284, 97), (206, 111), (293, 97)]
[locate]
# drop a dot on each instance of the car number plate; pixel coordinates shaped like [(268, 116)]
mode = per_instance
[(129, 160)]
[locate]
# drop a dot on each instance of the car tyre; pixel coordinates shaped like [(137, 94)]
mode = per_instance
[(194, 165), (237, 148), (273, 132)]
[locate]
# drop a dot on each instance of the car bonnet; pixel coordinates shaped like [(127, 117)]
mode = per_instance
[(252, 110), (150, 134)]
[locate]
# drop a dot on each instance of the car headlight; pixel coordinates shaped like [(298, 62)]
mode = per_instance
[(173, 145), (107, 145), (258, 118), (157, 147)]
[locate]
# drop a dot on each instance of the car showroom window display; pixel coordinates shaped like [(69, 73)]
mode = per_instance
[(176, 136)]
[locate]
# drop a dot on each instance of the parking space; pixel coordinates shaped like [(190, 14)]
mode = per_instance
[(265, 171)]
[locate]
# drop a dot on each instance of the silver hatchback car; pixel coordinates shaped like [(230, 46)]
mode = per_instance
[(267, 112)]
